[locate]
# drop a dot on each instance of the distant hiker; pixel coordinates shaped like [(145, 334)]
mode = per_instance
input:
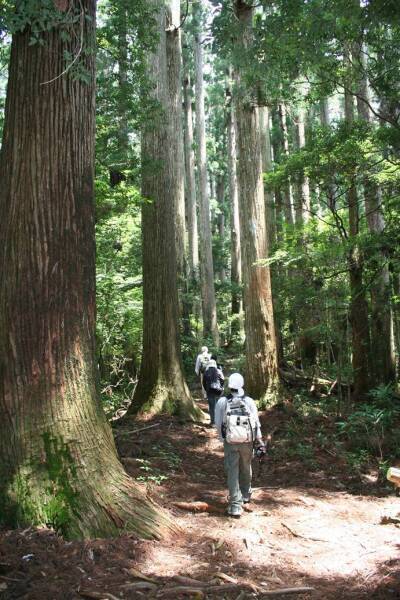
[(238, 426), (213, 383), (200, 366)]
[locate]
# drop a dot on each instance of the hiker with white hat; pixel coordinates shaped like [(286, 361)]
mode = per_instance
[(238, 427)]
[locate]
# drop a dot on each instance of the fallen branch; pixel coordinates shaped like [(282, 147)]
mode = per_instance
[(199, 507), (298, 535), (10, 578), (297, 377), (189, 581), (282, 591), (136, 430), (181, 589), (138, 575), (97, 595), (140, 585)]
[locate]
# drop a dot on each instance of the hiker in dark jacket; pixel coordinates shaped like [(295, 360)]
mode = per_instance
[(213, 383)]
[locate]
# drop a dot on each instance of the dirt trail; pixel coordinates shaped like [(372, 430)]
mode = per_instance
[(309, 525)]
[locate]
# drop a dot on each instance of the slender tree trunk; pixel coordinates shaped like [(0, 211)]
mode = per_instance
[(358, 303), (210, 327), (324, 120), (58, 462), (267, 168), (220, 192), (261, 354), (236, 260), (116, 169), (277, 152), (287, 190), (303, 204), (191, 211), (383, 364), (161, 386), (175, 124)]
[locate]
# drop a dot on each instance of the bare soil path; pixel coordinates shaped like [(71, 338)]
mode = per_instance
[(313, 530)]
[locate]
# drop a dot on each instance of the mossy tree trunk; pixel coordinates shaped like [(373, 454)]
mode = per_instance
[(58, 462), (161, 386), (261, 351)]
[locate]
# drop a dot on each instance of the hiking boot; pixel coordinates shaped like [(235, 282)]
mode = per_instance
[(235, 512), (246, 499)]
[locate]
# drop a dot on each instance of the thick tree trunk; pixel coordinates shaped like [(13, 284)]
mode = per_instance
[(161, 386), (358, 303), (261, 356), (383, 365), (236, 260), (191, 211), (58, 462), (210, 327)]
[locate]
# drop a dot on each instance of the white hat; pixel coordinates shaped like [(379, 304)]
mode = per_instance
[(204, 349), (236, 382)]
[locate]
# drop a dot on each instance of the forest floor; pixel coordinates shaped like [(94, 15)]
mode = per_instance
[(312, 523)]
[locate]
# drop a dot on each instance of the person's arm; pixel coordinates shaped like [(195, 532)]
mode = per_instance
[(254, 414), (219, 417), (197, 366)]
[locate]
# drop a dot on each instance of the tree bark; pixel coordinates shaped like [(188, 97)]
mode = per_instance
[(358, 304), (236, 260), (161, 386), (175, 123), (287, 190), (261, 355), (209, 308), (266, 151), (58, 462), (220, 196), (191, 211), (303, 206)]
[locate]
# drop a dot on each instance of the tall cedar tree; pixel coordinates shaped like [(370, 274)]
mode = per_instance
[(358, 303), (161, 386), (57, 454), (261, 352), (209, 307)]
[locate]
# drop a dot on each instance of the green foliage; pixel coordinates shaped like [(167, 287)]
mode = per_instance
[(119, 293), (150, 474), (371, 428)]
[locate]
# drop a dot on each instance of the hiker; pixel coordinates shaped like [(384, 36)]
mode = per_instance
[(238, 426), (213, 383), (200, 366)]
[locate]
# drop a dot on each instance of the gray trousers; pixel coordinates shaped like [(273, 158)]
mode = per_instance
[(237, 462)]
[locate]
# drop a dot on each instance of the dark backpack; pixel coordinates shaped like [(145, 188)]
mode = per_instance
[(212, 380)]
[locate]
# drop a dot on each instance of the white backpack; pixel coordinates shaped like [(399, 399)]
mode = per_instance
[(239, 425)]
